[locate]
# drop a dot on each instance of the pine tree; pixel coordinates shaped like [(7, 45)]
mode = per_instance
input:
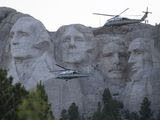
[(35, 106), (106, 96), (133, 116), (73, 112), (158, 115), (64, 115), (111, 109), (145, 110), (126, 114), (97, 114), (130, 116), (10, 96)]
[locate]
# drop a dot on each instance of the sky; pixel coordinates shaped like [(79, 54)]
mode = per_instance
[(56, 13)]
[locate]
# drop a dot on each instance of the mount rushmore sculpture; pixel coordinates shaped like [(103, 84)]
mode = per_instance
[(126, 60)]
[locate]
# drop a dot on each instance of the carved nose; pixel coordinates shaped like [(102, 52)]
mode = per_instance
[(14, 39), (116, 59), (131, 60), (72, 43)]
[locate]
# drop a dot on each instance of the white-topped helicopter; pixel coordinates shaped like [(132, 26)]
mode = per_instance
[(68, 74), (116, 20)]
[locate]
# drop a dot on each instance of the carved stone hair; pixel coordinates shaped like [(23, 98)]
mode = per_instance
[(104, 39), (87, 32)]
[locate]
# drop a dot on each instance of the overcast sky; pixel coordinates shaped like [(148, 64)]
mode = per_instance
[(55, 13)]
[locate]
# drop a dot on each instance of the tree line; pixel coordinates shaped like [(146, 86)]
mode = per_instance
[(16, 103)]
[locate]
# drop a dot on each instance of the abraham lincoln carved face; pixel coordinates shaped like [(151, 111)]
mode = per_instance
[(140, 55)]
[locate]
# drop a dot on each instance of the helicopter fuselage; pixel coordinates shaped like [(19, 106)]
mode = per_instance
[(116, 20), (122, 21), (70, 76)]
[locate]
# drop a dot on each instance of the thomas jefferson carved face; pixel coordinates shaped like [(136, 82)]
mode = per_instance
[(74, 46), (113, 59), (140, 55), (24, 35)]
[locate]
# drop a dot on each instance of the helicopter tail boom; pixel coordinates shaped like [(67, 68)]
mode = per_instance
[(145, 15)]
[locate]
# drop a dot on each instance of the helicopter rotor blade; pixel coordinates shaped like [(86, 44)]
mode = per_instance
[(62, 67), (120, 13), (103, 14), (133, 15), (147, 11), (57, 70), (111, 15), (123, 11)]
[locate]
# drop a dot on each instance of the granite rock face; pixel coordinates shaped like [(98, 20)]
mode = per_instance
[(8, 17), (75, 49), (112, 61), (125, 59), (144, 61), (30, 47)]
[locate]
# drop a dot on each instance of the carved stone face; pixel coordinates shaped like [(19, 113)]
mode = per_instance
[(23, 38), (140, 56), (74, 46), (113, 60)]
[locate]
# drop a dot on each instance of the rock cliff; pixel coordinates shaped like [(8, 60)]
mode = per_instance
[(125, 59)]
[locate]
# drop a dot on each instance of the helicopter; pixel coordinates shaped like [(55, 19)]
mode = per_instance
[(116, 20), (68, 74)]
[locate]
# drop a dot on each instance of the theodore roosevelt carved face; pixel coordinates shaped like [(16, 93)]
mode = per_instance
[(113, 60)]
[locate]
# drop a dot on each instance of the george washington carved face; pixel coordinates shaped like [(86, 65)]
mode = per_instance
[(25, 36)]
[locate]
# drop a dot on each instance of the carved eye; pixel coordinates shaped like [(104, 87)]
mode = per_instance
[(79, 38), (66, 39), (21, 33), (107, 55), (138, 52)]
